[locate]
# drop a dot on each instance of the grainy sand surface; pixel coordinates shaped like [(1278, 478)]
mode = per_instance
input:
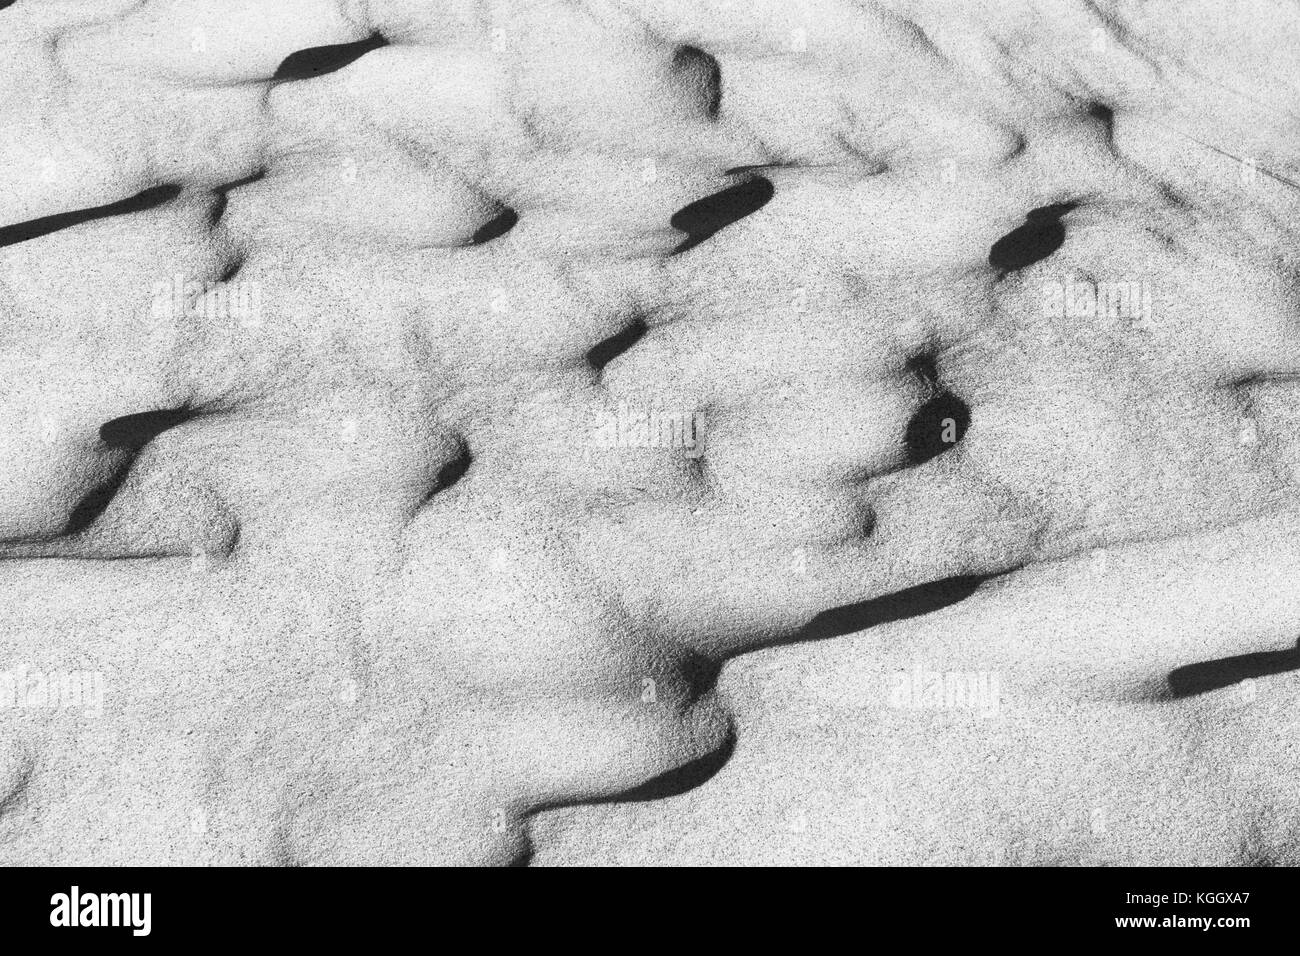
[(714, 431)]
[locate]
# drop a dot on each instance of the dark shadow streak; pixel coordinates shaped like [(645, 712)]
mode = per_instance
[(320, 60), (676, 782), (942, 413), (933, 420), (1214, 675), (705, 217), (130, 433), (133, 432), (453, 471), (755, 167), (36, 228), (605, 351), (496, 227), (912, 602), (96, 502), (223, 194), (1040, 236), (232, 268)]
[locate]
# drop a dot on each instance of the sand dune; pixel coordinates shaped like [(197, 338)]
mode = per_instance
[(477, 432)]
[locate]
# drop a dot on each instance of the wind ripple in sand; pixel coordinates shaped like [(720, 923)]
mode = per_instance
[(409, 411)]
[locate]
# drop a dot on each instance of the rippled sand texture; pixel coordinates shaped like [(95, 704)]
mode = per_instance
[(408, 407)]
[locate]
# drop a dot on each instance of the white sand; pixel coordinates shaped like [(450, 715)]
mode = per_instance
[(318, 642)]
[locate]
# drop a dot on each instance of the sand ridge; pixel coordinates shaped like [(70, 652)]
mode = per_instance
[(334, 333)]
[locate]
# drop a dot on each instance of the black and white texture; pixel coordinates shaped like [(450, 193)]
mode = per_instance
[(649, 431)]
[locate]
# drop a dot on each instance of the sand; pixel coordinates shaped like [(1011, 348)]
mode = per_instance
[(648, 432)]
